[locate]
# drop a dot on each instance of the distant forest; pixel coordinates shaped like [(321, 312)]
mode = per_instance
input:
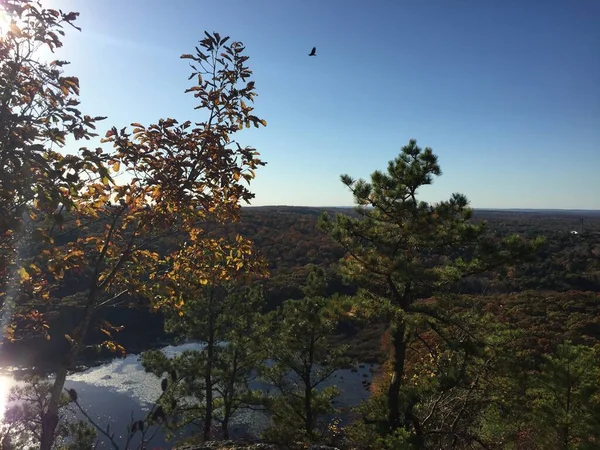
[(565, 279)]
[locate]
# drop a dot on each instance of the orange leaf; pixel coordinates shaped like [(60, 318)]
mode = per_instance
[(106, 332)]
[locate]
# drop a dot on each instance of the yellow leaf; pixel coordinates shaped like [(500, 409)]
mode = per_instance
[(23, 274), (116, 166)]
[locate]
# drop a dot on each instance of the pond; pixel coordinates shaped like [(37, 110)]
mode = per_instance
[(114, 391)]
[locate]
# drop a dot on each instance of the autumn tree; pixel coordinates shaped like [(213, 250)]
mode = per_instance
[(402, 251), (174, 178), (301, 360), (39, 113), (216, 305)]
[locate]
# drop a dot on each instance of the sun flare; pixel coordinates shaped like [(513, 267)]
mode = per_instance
[(6, 383), (4, 22)]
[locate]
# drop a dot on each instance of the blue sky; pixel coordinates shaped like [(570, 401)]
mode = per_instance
[(507, 93)]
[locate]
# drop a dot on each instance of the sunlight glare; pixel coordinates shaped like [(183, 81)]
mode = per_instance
[(6, 383), (4, 22)]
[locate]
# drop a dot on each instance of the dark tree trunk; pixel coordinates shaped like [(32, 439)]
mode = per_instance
[(229, 398), (50, 416), (308, 408), (309, 422), (210, 347), (209, 394), (225, 428), (399, 342)]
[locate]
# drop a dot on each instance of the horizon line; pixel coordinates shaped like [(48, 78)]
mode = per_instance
[(474, 208)]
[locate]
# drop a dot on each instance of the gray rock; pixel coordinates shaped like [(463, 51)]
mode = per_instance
[(236, 445), (229, 445)]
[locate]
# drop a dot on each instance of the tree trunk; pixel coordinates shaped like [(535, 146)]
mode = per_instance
[(225, 428), (50, 416), (208, 412), (393, 395), (309, 423), (210, 347), (308, 408), (565, 431), (228, 399)]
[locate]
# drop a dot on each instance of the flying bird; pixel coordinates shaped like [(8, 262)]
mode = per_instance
[(313, 52)]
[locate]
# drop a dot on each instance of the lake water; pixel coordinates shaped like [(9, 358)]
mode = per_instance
[(112, 392)]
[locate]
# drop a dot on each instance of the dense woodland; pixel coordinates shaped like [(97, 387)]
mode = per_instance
[(289, 239), (483, 325)]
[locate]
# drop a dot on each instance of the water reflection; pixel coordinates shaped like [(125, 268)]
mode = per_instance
[(111, 393)]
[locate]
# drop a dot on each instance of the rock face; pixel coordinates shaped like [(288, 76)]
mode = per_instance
[(236, 445)]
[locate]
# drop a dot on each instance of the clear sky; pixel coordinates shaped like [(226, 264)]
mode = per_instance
[(507, 93)]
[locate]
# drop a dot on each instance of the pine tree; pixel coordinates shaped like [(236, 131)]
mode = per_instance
[(565, 399), (401, 250), (211, 384), (302, 358)]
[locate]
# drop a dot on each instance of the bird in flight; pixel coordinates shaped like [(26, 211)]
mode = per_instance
[(313, 52)]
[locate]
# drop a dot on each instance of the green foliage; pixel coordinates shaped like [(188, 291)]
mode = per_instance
[(450, 367), (316, 282), (82, 436), (212, 383), (301, 358), (559, 407), (566, 397), (397, 242), (401, 250)]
